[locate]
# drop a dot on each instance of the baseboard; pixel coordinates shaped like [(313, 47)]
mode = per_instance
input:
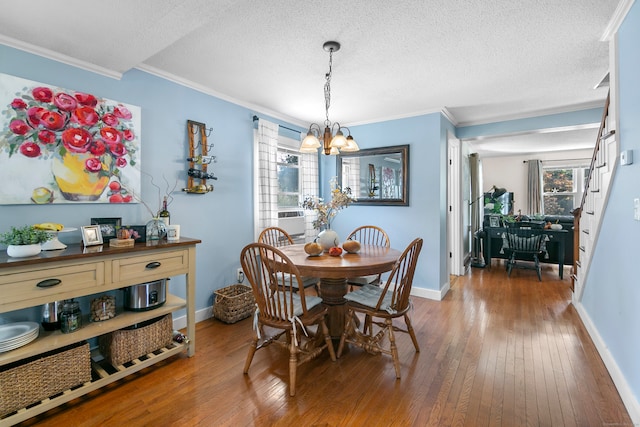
[(207, 312), (202, 314), (626, 394), (430, 293)]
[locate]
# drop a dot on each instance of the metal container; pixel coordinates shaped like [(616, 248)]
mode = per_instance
[(145, 296), (51, 315)]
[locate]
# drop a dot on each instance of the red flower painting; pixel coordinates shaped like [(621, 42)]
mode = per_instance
[(48, 123)]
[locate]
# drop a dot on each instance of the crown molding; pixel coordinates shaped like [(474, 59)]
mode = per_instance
[(616, 20), (537, 113), (207, 91), (59, 57), (400, 116)]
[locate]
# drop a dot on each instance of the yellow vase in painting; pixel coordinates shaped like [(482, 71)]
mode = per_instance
[(74, 181)]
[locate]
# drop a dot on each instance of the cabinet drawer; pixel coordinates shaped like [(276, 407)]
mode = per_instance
[(142, 269), (20, 289)]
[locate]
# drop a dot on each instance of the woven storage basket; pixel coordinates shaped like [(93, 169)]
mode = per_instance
[(233, 303), (125, 345), (32, 380)]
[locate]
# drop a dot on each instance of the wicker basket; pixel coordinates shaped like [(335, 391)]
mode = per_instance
[(32, 380), (233, 303), (124, 345)]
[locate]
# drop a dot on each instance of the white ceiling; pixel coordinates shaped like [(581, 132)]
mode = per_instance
[(479, 60)]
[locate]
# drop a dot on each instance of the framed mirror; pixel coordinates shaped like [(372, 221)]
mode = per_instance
[(376, 176)]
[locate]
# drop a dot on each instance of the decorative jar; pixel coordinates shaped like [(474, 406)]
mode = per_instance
[(71, 317), (156, 229)]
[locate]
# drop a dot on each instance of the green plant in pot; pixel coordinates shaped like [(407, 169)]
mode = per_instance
[(508, 219), (24, 241)]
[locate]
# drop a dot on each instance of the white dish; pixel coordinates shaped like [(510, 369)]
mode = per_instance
[(15, 335), (13, 347), (13, 331), (55, 244)]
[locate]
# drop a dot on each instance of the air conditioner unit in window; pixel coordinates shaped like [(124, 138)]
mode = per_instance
[(293, 223)]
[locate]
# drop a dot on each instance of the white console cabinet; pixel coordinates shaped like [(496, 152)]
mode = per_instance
[(79, 271)]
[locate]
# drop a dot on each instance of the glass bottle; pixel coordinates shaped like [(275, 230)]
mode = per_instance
[(164, 213), (71, 317)]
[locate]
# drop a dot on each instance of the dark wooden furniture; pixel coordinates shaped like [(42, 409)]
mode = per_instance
[(491, 234), (524, 244), (334, 272)]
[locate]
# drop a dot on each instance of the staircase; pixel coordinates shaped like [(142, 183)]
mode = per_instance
[(588, 216)]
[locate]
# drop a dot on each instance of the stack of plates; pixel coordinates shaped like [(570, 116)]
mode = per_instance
[(14, 335)]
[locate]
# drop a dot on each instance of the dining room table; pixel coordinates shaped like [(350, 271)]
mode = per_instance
[(333, 272)]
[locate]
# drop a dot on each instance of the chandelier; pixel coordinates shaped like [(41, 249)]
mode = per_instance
[(331, 144)]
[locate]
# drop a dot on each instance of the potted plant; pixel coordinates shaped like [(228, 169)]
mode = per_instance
[(508, 220), (24, 241)]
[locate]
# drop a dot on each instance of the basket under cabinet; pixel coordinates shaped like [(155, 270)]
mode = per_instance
[(83, 274)]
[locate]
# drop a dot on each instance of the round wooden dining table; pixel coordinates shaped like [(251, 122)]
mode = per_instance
[(333, 272)]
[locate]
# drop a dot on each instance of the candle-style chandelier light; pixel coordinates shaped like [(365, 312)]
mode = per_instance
[(331, 144)]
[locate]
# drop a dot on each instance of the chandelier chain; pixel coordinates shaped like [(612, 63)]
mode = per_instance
[(327, 89)]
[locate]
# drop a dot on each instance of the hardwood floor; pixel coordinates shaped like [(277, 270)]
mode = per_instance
[(496, 351)]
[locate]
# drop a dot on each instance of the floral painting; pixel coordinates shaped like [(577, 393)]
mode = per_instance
[(64, 146)]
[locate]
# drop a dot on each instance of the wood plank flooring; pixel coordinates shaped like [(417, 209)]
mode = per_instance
[(496, 351)]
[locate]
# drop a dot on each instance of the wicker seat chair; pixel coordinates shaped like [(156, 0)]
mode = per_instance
[(277, 237), (288, 313), (368, 235), (383, 304), (524, 244)]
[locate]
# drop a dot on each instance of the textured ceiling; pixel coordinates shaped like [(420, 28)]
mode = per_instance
[(481, 60)]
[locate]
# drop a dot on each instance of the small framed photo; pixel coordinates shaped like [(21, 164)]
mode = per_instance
[(108, 226), (137, 232), (91, 235), (494, 221)]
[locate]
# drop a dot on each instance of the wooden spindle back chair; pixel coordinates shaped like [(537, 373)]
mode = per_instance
[(272, 276), (380, 305)]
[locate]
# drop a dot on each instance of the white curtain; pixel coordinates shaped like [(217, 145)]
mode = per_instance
[(310, 187), (534, 187), (476, 201), (266, 147)]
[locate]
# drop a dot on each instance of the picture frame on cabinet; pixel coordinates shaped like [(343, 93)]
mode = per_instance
[(91, 235), (138, 232), (108, 226)]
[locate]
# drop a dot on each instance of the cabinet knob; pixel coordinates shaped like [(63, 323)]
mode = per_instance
[(154, 264), (48, 283)]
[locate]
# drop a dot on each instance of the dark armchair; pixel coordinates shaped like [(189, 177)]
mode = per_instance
[(524, 244)]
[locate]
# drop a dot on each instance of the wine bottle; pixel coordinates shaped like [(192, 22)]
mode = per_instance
[(164, 214)]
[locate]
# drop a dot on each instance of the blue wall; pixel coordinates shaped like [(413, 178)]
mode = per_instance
[(612, 294), (425, 217), (223, 219)]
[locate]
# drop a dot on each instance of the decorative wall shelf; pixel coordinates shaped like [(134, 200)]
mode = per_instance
[(199, 159)]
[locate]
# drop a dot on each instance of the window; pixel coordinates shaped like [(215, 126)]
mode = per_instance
[(288, 179), (563, 188)]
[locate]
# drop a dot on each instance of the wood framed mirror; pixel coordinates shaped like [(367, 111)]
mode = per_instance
[(376, 176)]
